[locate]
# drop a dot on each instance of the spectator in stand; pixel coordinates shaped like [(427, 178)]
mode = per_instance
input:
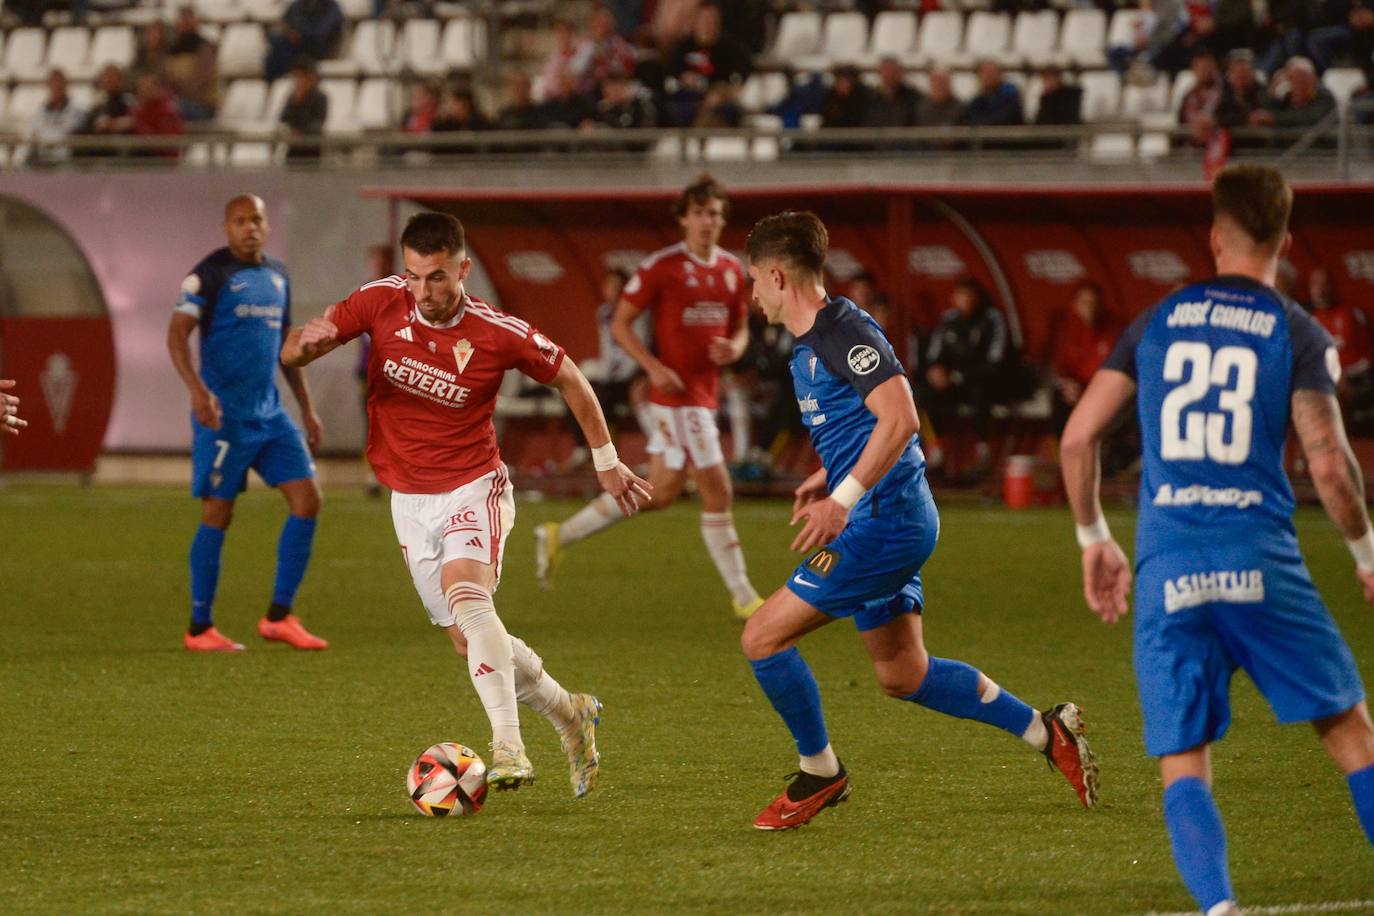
[(563, 58), (1144, 31), (893, 103), (57, 120), (1083, 337), (565, 106), (1347, 27), (424, 108), (1306, 103), (1349, 330), (459, 111), (628, 14), (309, 28), (747, 22), (154, 40), (191, 68), (998, 102), (847, 101), (621, 106), (805, 95), (1060, 103), (965, 363), (1242, 97), (671, 22), (1282, 33), (940, 106), (305, 111), (1197, 111), (604, 52), (521, 112), (720, 107), (1218, 25), (156, 114), (708, 54), (111, 115)]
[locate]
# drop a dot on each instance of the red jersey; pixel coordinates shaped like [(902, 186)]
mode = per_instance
[(431, 390), (1349, 328), (1080, 349), (692, 302)]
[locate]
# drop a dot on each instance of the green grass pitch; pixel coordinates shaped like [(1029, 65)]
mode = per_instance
[(138, 778)]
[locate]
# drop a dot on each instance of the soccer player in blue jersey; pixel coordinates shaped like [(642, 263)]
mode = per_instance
[(1217, 371), (870, 525), (240, 300)]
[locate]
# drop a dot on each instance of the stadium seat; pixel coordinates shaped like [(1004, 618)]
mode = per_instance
[(1030, 97), (763, 90), (1121, 32), (1343, 83), (252, 155), (799, 36), (68, 50), (986, 36), (24, 54), (217, 10), (420, 47), (766, 149), (276, 100), (1033, 39), (1113, 147), (942, 32), (894, 34), (263, 10), (1153, 146), (843, 42), (375, 107), (356, 9), (243, 105), (242, 50), (112, 44), (342, 94), (725, 149), (1082, 37), (25, 100), (1101, 96), (370, 51), (1183, 84), (1143, 100), (964, 84), (464, 43)]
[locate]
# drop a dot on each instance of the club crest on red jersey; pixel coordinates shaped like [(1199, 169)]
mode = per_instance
[(462, 353)]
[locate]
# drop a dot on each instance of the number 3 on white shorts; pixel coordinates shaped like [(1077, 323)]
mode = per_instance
[(1204, 434)]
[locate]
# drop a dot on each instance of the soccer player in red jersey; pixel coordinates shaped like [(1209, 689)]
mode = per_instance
[(698, 295), (438, 357)]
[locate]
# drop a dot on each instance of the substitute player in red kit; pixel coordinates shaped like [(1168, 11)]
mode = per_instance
[(698, 295), (438, 357)]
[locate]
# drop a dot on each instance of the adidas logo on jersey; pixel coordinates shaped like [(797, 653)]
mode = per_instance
[(406, 334)]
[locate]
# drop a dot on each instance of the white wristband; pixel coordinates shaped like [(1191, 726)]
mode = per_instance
[(1362, 549), (848, 492), (1096, 533), (605, 458)]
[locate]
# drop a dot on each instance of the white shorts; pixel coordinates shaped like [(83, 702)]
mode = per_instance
[(469, 523), (680, 432)]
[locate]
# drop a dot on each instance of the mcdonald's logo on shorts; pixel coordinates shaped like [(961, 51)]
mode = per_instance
[(823, 562)]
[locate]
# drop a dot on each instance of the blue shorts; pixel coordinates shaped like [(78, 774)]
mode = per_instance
[(1201, 615), (872, 571), (221, 458)]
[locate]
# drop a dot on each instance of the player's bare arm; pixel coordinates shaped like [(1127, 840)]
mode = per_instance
[(628, 490), (306, 344), (10, 421), (203, 401), (1106, 570), (891, 403), (314, 429), (1336, 474), (623, 332), (725, 351)]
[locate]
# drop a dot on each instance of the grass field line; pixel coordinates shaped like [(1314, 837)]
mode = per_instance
[(1332, 906)]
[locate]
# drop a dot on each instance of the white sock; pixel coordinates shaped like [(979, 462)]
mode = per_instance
[(536, 688), (490, 663), (823, 764), (597, 515), (737, 409), (1036, 735), (718, 531)]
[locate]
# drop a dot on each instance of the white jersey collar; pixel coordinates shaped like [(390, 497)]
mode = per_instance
[(452, 322)]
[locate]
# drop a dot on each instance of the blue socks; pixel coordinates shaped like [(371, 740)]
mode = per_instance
[(293, 553), (951, 687), (1362, 792), (1199, 840), (205, 550), (790, 686)]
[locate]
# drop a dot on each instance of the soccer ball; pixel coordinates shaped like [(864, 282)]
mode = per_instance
[(447, 778)]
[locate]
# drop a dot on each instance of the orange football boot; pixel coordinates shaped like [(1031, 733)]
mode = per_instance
[(786, 813), (1068, 751), (290, 631), (211, 640)]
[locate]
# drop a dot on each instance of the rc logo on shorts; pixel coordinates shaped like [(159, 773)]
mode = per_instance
[(863, 359), (823, 562)]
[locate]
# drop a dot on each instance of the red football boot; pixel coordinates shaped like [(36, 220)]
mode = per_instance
[(211, 640), (806, 796), (1068, 751), (290, 631)]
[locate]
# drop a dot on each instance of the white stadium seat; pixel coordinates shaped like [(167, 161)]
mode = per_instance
[(1082, 37), (25, 100), (763, 90), (420, 47), (242, 50), (986, 35), (1343, 82), (725, 149), (216, 10), (964, 84), (112, 44), (799, 35), (375, 106), (465, 43), (264, 10), (942, 32), (252, 155), (894, 34), (845, 37), (341, 94), (356, 9), (24, 54), (276, 99), (1034, 39), (1183, 84), (1101, 96), (1121, 33), (244, 104), (1143, 100), (373, 46), (1113, 147), (68, 50)]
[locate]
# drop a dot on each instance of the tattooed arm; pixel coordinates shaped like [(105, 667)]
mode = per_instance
[(1337, 475)]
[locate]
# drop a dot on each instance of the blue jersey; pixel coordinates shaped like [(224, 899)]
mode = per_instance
[(244, 312), (835, 366), (1216, 365)]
